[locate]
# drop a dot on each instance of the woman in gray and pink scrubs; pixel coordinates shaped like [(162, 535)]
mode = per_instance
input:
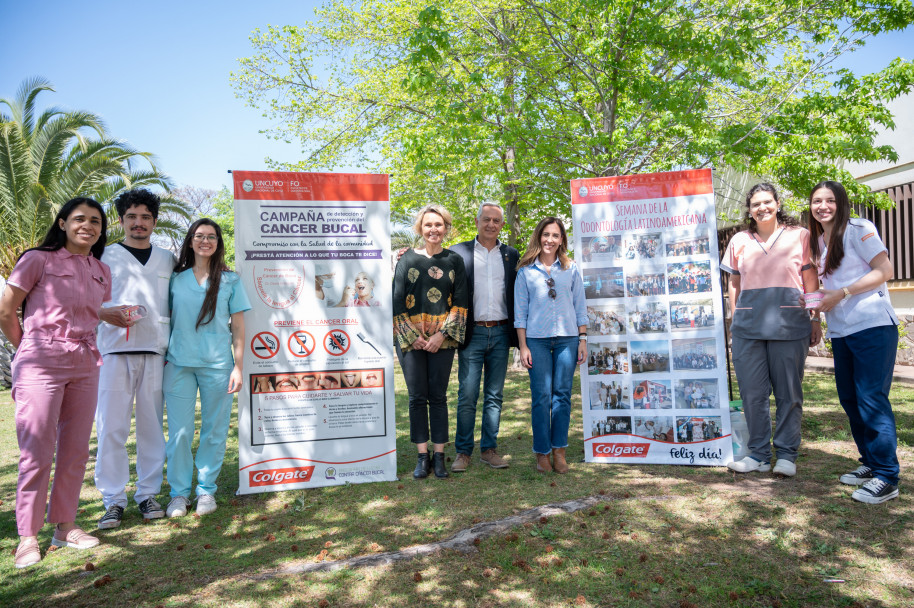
[(770, 269)]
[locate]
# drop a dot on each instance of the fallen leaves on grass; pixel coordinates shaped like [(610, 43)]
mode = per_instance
[(642, 558), (179, 548), (102, 581), (522, 564), (417, 576), (293, 548), (580, 600), (89, 566), (488, 573), (606, 536)]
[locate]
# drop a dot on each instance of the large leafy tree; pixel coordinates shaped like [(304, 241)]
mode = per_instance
[(52, 155), (510, 99)]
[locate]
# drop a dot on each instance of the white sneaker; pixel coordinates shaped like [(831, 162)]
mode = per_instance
[(749, 464), (206, 504), (785, 468), (177, 507)]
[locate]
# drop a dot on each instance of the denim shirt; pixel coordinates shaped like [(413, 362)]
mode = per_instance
[(542, 316)]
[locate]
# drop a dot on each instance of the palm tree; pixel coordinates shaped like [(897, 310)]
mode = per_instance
[(49, 157)]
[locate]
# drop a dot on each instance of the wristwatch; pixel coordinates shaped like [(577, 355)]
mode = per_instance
[(847, 292)]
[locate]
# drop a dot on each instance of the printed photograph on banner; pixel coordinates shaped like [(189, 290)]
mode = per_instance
[(689, 277), (304, 381), (648, 317), (687, 315), (606, 320), (602, 249), (643, 281), (652, 395), (650, 356), (334, 289), (603, 283), (611, 425), (697, 394), (694, 353), (680, 246), (608, 394), (643, 246), (607, 358), (658, 428), (692, 429)]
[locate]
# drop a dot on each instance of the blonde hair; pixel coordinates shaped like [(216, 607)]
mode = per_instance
[(437, 210), (535, 247)]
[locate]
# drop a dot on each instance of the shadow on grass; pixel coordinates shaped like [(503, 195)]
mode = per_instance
[(666, 535)]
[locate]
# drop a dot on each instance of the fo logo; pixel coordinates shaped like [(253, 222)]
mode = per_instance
[(275, 477), (620, 450), (247, 185)]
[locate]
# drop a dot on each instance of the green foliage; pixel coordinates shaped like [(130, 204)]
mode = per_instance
[(48, 157), (224, 214), (510, 99)]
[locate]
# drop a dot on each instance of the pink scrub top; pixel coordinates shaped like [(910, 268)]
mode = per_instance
[(65, 291)]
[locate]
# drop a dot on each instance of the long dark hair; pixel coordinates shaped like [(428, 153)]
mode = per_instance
[(782, 217), (535, 247), (217, 266), (836, 240), (56, 238)]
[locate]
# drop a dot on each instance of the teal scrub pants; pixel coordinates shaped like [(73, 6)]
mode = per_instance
[(181, 385)]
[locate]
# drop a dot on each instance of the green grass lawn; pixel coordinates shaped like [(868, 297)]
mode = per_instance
[(664, 535)]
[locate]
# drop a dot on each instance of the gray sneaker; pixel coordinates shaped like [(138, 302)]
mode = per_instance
[(151, 509), (857, 477), (112, 517)]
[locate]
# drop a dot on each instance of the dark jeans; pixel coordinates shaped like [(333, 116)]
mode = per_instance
[(864, 363), (427, 376), (487, 352)]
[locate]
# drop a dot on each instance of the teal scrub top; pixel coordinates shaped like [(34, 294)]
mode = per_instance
[(210, 345)]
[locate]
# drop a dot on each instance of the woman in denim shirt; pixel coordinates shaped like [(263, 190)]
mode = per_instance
[(550, 316)]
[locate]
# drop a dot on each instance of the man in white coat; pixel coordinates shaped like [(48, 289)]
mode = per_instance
[(133, 338)]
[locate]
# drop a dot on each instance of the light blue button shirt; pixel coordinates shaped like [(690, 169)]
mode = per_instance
[(542, 316)]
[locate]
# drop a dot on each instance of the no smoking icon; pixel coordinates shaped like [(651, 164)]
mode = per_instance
[(265, 345), (301, 344), (336, 342)]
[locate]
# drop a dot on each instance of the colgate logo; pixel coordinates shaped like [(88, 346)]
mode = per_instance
[(273, 477), (621, 450)]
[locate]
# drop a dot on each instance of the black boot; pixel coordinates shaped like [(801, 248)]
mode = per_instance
[(423, 466), (438, 463)]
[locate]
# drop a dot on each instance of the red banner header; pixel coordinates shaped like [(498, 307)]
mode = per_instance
[(641, 187), (290, 186)]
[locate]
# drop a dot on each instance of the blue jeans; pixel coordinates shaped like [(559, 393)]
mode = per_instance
[(181, 385), (864, 362), (487, 352), (551, 378)]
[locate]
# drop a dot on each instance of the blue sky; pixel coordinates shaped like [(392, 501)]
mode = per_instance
[(158, 73)]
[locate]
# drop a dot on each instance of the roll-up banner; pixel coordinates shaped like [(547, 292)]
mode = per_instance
[(317, 408), (654, 383)]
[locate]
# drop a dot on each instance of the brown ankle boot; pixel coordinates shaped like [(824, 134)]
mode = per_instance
[(558, 457), (542, 463)]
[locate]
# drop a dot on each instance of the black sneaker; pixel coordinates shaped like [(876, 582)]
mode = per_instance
[(151, 509), (875, 491), (112, 517), (858, 477)]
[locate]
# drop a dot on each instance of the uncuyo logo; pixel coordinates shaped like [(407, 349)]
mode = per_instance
[(621, 450), (274, 477), (247, 185), (582, 191)]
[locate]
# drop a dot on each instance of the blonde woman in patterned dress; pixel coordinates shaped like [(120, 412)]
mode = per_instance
[(430, 312)]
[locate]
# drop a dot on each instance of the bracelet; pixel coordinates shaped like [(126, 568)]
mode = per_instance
[(847, 292), (816, 320), (582, 335)]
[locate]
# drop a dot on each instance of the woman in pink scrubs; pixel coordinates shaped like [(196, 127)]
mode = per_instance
[(61, 284)]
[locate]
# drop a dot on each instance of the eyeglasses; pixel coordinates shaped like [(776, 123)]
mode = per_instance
[(550, 283), (209, 238)]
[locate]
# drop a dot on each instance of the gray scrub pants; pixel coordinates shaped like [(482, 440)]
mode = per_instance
[(763, 367)]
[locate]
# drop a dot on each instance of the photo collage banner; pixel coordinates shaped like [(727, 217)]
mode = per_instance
[(654, 382)]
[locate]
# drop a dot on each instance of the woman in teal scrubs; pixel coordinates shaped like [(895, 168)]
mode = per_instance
[(205, 354)]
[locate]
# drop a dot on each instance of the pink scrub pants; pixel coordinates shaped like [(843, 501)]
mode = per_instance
[(55, 387)]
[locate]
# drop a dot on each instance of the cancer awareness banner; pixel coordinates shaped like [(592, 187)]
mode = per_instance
[(654, 382), (317, 408)]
